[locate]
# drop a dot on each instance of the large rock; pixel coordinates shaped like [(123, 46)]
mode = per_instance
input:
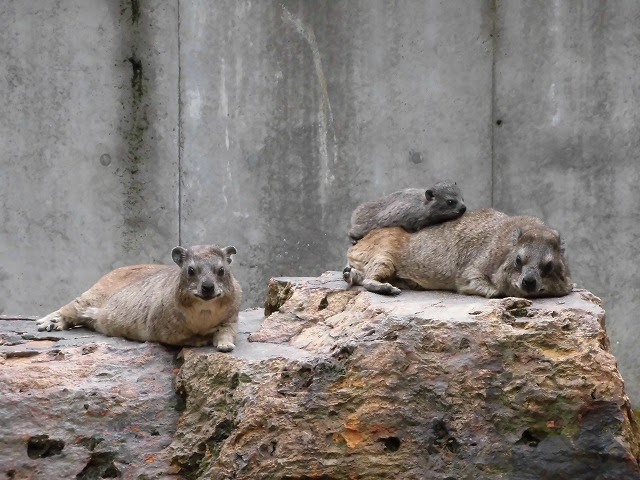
[(336, 384)]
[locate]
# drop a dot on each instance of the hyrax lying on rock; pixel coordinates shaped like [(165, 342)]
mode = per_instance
[(484, 252), (195, 303), (411, 209)]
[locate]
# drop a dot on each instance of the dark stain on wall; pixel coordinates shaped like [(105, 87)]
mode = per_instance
[(134, 127)]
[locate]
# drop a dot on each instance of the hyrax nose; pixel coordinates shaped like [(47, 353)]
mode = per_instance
[(529, 283), (462, 209), (208, 288)]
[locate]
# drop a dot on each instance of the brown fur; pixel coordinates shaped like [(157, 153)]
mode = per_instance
[(484, 252), (195, 302)]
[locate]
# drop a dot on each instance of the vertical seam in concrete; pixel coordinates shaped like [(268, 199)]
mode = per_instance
[(180, 139), (494, 35)]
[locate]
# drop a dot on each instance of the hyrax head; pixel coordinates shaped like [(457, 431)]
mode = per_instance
[(445, 201), (537, 265), (204, 271)]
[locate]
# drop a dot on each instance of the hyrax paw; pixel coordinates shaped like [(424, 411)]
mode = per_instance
[(392, 290), (346, 274), (53, 321), (225, 347)]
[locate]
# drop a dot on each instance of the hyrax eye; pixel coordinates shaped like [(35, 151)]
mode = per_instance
[(451, 203), (191, 271), (221, 271), (548, 267), (518, 261)]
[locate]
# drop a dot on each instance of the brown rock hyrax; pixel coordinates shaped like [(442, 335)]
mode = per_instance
[(194, 303), (411, 209), (483, 252)]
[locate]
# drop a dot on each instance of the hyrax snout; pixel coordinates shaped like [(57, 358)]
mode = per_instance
[(483, 252), (411, 209), (194, 302)]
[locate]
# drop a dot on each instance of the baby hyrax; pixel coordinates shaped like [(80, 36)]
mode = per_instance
[(411, 209), (484, 252), (194, 303)]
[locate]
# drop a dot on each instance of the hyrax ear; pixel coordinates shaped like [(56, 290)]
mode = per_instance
[(560, 241), (517, 233), (429, 195), (179, 254), (228, 251)]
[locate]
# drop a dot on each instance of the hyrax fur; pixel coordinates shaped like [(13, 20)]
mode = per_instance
[(484, 252), (411, 209), (195, 303)]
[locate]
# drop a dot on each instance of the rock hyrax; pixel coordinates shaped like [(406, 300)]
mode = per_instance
[(484, 252), (411, 209), (195, 303)]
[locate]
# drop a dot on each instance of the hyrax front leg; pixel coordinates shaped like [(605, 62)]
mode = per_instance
[(355, 277), (473, 282), (225, 337)]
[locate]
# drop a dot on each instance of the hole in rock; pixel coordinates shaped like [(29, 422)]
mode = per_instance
[(529, 438), (41, 446), (100, 465), (391, 444), (324, 303)]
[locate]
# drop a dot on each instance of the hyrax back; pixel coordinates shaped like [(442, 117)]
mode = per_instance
[(484, 252), (194, 302), (411, 209)]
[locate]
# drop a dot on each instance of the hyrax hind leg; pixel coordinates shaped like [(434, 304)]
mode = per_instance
[(53, 321), (354, 276), (71, 315), (371, 261)]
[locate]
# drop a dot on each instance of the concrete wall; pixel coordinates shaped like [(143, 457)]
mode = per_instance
[(567, 147), (132, 126), (88, 138), (295, 112)]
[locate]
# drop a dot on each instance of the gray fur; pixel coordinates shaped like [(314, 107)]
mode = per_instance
[(484, 252), (411, 209)]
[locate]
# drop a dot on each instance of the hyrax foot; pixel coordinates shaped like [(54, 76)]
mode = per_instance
[(346, 274), (354, 276), (225, 346), (379, 287), (53, 321)]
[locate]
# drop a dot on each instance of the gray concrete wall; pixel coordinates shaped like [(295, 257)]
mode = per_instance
[(131, 126), (88, 138), (567, 148), (295, 112)]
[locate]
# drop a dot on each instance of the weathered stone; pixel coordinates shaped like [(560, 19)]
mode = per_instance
[(423, 385), (352, 385), (76, 404)]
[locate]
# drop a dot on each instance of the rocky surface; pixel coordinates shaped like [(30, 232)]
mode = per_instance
[(333, 384)]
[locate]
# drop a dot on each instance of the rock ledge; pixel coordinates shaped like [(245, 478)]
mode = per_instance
[(333, 384)]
